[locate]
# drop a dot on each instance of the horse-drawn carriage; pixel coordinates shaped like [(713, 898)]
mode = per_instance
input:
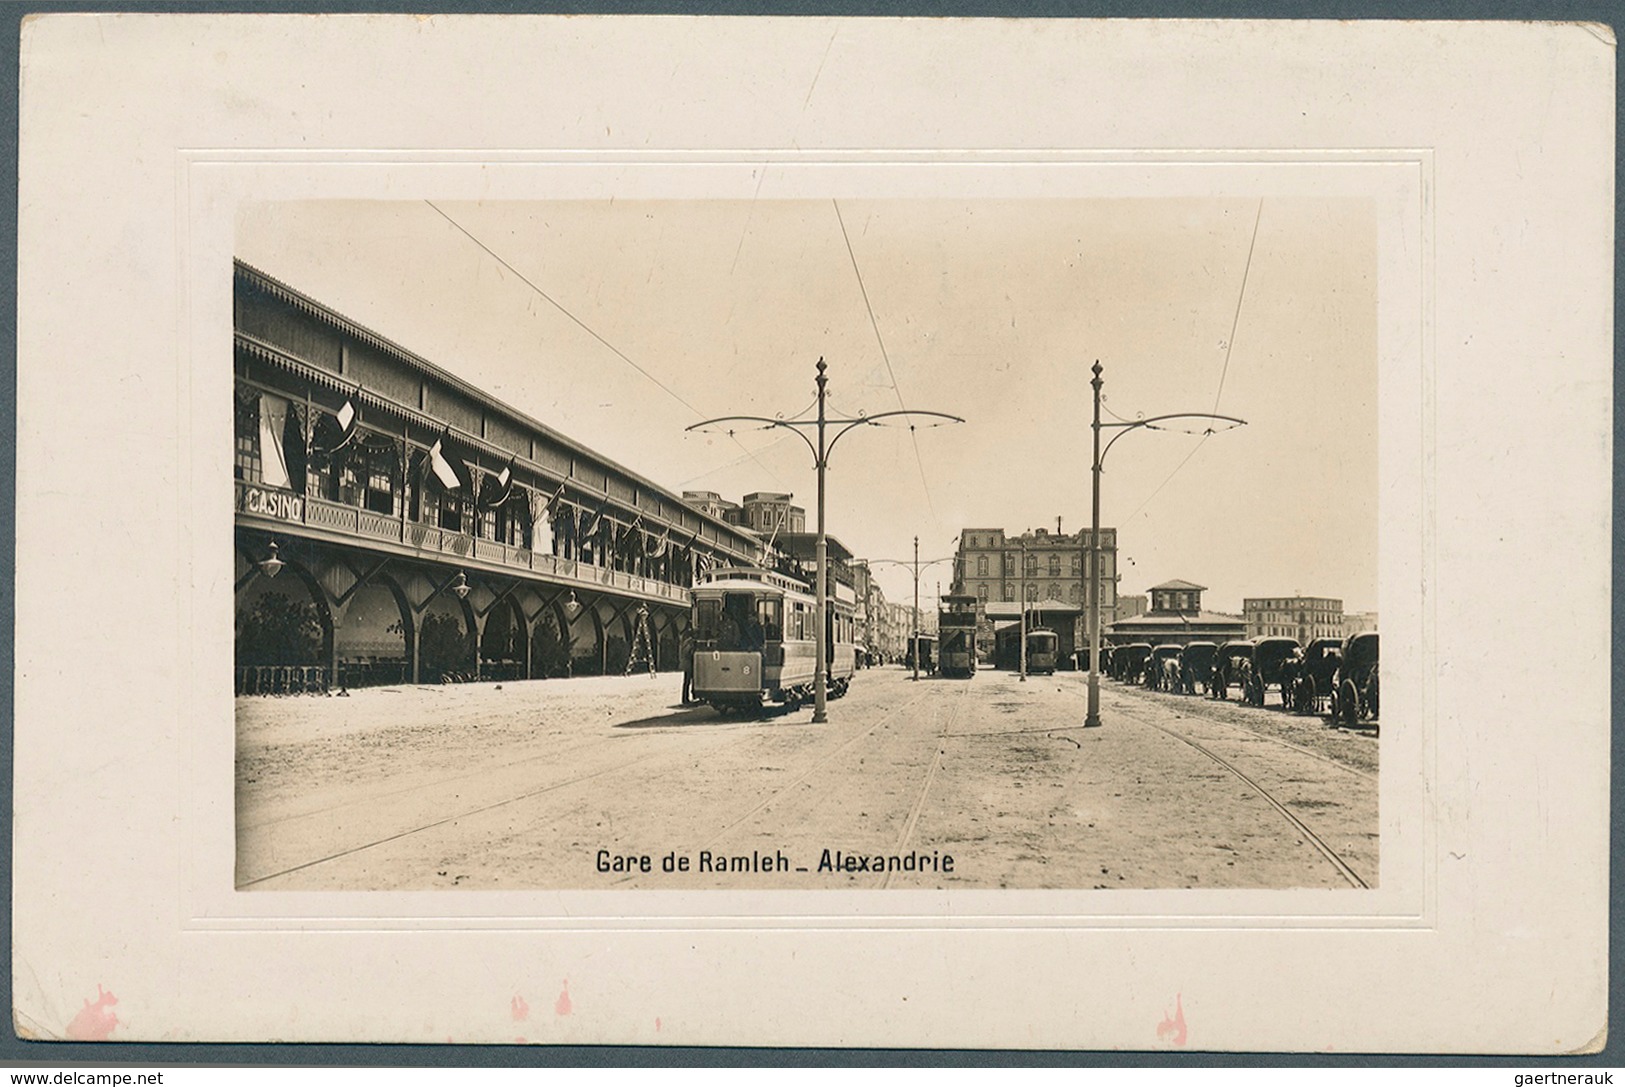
[(1255, 666), (1196, 666), (1354, 696), (1312, 674), (1229, 664), (1162, 668), (1128, 661)]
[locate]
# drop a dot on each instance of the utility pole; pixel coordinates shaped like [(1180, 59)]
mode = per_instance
[(916, 565), (915, 653), (821, 451), (1024, 610)]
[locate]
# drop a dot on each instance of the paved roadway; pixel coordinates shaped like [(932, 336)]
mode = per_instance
[(522, 786)]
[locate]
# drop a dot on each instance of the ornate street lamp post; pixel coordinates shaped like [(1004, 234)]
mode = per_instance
[(916, 565), (1092, 720), (821, 452)]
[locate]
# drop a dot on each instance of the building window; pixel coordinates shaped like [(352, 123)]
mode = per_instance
[(321, 479), (350, 482), (1054, 565), (429, 504), (247, 460), (380, 495), (981, 566), (450, 512), (1077, 565), (1032, 565)]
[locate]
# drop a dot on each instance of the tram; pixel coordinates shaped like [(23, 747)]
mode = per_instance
[(926, 644), (754, 634), (1042, 645), (956, 636)]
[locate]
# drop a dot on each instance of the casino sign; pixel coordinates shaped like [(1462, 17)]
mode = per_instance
[(283, 505)]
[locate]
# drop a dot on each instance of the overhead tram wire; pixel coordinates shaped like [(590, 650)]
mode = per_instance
[(668, 390), (885, 356), (1229, 345), (1241, 296)]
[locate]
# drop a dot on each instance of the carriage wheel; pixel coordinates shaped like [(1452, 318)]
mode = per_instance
[(1348, 704)]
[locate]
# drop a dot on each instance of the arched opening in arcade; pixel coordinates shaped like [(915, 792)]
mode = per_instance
[(373, 639), (664, 628), (549, 651), (616, 624), (283, 636), (503, 642), (446, 646), (585, 647)]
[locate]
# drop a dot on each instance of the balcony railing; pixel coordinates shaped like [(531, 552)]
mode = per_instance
[(267, 504)]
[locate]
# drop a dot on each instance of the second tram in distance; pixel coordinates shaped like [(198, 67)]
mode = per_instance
[(754, 634), (956, 636)]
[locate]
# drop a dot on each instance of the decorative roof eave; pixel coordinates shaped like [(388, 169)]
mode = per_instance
[(334, 383), (340, 323)]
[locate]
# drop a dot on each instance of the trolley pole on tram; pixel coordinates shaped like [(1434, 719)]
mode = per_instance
[(1092, 719), (821, 452)]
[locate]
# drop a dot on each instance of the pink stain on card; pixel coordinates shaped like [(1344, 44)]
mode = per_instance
[(1173, 1030), (657, 1018), (519, 1009), (562, 1005), (94, 1023)]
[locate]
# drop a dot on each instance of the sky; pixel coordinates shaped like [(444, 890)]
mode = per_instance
[(622, 323)]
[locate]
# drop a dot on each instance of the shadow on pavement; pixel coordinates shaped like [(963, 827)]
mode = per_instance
[(704, 715)]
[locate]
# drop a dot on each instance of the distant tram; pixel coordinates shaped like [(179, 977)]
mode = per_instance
[(956, 635), (927, 646), (754, 634), (1042, 646)]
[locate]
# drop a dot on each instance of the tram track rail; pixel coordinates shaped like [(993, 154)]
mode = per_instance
[(1301, 749), (1331, 855), (550, 755), (913, 819), (781, 791), (745, 732)]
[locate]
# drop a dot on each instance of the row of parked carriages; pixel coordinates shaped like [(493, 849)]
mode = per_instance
[(1338, 678)]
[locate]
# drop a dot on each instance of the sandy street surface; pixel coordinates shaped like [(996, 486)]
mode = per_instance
[(520, 786)]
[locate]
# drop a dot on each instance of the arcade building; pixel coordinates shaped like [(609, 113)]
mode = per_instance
[(394, 524)]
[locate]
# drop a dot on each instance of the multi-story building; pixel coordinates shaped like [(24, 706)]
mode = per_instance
[(764, 512), (1302, 617), (768, 514), (396, 524), (997, 567), (1358, 622), (1176, 617), (714, 505)]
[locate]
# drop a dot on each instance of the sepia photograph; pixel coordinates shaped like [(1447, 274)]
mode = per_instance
[(827, 532), (536, 504)]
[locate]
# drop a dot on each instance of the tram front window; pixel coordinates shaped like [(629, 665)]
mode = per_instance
[(771, 614), (741, 629)]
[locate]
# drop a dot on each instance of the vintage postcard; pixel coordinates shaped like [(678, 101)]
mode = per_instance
[(887, 524)]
